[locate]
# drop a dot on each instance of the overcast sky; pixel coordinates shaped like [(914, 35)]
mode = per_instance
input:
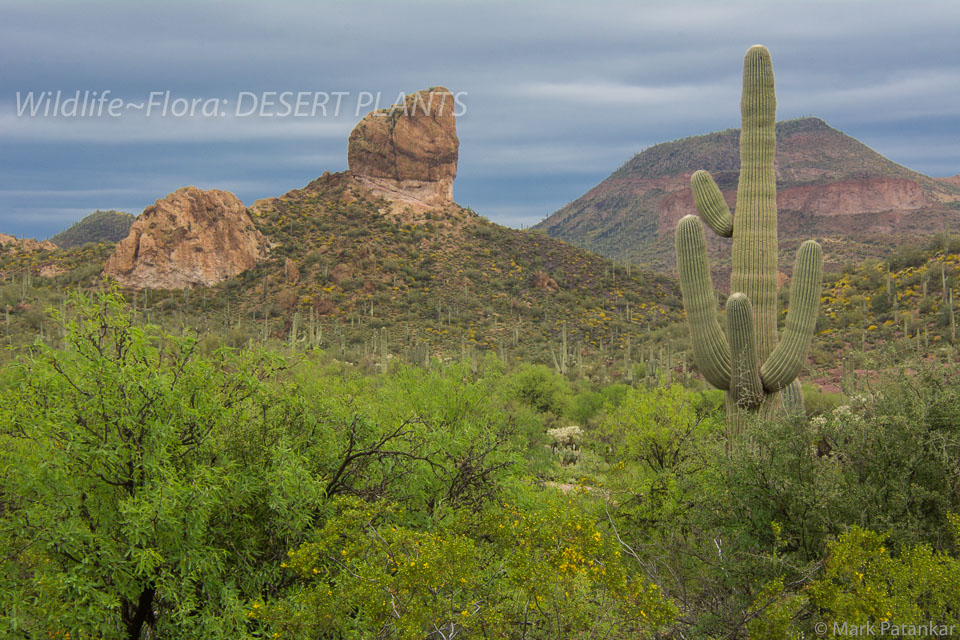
[(557, 95)]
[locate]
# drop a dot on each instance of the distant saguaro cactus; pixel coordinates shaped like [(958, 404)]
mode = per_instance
[(756, 371)]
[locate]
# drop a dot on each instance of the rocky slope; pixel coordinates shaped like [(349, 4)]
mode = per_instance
[(190, 237), (830, 186)]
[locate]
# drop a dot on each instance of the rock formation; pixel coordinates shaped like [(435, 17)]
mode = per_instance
[(408, 153), (954, 180), (541, 280), (190, 237)]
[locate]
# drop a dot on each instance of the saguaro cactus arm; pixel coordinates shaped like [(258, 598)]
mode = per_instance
[(745, 382), (791, 399), (710, 203), (783, 365), (710, 348)]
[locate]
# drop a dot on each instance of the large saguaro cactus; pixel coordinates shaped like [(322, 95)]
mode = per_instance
[(756, 371)]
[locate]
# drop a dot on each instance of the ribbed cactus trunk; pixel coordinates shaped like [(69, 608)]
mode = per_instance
[(748, 362), (755, 223)]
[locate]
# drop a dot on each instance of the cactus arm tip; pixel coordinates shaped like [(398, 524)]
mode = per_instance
[(710, 203)]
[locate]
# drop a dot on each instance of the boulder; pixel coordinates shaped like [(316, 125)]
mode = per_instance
[(190, 237)]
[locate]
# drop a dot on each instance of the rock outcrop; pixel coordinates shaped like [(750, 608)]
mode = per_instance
[(190, 237), (541, 280), (408, 153), (10, 243), (953, 180)]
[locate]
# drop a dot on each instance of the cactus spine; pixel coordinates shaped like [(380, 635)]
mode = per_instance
[(755, 369)]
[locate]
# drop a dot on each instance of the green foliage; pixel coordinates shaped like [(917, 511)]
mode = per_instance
[(126, 491), (158, 485), (659, 428), (907, 256), (817, 402), (867, 588), (863, 582), (588, 404), (151, 489), (883, 462), (541, 389), (542, 570)]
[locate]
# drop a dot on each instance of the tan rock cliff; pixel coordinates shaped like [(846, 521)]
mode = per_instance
[(190, 237)]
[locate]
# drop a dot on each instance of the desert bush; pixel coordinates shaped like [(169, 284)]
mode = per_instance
[(541, 389)]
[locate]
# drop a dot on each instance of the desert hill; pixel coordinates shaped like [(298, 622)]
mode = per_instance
[(830, 186), (99, 226)]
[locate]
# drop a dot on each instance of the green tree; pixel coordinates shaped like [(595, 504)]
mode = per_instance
[(140, 485)]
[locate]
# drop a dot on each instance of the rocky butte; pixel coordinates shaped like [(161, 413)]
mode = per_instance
[(405, 154), (408, 153), (190, 237)]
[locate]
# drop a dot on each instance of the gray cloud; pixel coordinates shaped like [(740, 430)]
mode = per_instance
[(559, 94)]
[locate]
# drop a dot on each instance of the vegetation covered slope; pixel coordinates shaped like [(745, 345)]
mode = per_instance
[(348, 273), (450, 280), (99, 226), (909, 300)]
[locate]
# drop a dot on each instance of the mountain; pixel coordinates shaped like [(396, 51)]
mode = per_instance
[(830, 187), (99, 226), (376, 259)]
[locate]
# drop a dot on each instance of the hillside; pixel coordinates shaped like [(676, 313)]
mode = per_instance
[(99, 226), (910, 300), (453, 280), (830, 186)]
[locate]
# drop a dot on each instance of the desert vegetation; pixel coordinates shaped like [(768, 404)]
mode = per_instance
[(153, 486)]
